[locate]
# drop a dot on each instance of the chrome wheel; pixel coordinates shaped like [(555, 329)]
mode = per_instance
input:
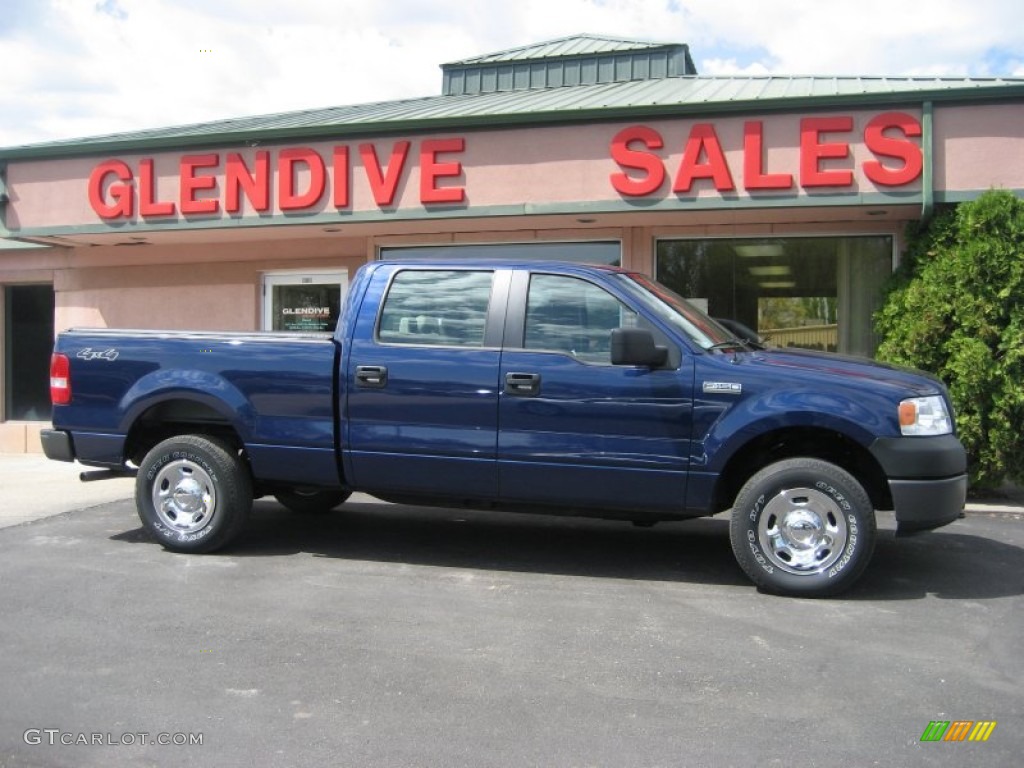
[(803, 527), (193, 493), (802, 531), (184, 496)]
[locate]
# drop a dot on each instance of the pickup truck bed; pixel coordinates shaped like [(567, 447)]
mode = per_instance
[(275, 390)]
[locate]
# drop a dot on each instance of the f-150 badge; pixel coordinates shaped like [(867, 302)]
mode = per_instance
[(723, 387)]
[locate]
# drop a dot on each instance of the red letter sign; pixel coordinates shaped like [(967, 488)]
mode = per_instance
[(383, 184), (120, 192), (813, 151), (891, 146), (431, 170), (288, 198), (255, 184), (754, 176), (649, 163), (147, 191), (703, 141), (191, 184), (341, 185)]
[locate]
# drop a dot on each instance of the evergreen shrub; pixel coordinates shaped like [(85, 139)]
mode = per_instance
[(956, 309)]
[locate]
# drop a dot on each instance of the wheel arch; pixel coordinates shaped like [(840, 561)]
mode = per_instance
[(806, 441), (174, 414)]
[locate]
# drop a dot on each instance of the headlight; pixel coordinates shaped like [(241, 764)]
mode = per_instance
[(925, 416)]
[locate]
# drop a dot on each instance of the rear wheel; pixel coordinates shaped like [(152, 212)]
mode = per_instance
[(193, 494), (803, 527), (311, 500)]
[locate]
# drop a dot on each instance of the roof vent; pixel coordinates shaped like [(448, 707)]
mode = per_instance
[(567, 61)]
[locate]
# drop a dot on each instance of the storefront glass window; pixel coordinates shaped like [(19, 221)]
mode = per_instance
[(303, 302), (809, 292)]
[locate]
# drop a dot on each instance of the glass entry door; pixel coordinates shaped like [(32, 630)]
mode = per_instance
[(27, 343), (303, 302)]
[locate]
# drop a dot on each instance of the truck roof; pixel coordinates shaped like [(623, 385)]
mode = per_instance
[(532, 265)]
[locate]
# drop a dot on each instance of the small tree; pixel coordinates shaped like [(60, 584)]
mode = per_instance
[(956, 309)]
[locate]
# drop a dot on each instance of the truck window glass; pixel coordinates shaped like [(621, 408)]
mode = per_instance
[(673, 309), (566, 314), (436, 308)]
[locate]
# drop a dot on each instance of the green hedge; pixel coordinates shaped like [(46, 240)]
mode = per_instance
[(956, 308)]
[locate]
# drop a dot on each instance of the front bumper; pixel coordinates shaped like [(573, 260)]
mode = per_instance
[(925, 504), (927, 479)]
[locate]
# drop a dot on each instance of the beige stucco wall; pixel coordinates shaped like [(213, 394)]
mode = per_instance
[(979, 148), (181, 287), (187, 298)]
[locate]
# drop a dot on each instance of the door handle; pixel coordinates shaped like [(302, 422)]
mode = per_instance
[(522, 384), (371, 376)]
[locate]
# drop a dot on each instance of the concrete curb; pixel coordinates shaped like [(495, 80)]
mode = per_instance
[(994, 507)]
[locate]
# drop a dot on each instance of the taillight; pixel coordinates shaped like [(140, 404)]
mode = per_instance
[(60, 379)]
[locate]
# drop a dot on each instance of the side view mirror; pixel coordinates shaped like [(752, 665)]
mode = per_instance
[(635, 346)]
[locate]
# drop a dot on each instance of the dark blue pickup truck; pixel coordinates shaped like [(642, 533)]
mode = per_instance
[(538, 387)]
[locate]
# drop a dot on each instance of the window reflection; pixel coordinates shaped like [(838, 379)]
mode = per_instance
[(436, 307), (566, 314), (812, 292)]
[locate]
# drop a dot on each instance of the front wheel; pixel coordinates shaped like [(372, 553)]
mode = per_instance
[(803, 527), (193, 493)]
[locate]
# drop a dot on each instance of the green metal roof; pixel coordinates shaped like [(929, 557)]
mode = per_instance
[(630, 100), (567, 62), (16, 245), (575, 45)]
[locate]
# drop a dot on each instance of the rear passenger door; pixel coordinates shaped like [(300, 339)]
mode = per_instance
[(422, 383)]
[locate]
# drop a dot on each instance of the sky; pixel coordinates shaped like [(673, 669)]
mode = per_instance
[(76, 68)]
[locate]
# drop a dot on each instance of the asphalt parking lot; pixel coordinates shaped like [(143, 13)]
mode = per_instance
[(384, 635)]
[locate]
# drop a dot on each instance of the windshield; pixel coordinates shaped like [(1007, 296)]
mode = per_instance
[(678, 312)]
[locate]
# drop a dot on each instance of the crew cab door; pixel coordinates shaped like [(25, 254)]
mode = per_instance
[(422, 383), (575, 429)]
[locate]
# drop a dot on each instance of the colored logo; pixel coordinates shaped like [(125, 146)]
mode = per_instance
[(958, 730)]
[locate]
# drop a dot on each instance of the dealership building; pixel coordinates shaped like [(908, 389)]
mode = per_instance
[(779, 202)]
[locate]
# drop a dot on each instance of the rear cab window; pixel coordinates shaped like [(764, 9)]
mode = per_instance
[(444, 308)]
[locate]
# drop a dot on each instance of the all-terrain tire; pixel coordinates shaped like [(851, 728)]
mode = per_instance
[(193, 493), (803, 527)]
